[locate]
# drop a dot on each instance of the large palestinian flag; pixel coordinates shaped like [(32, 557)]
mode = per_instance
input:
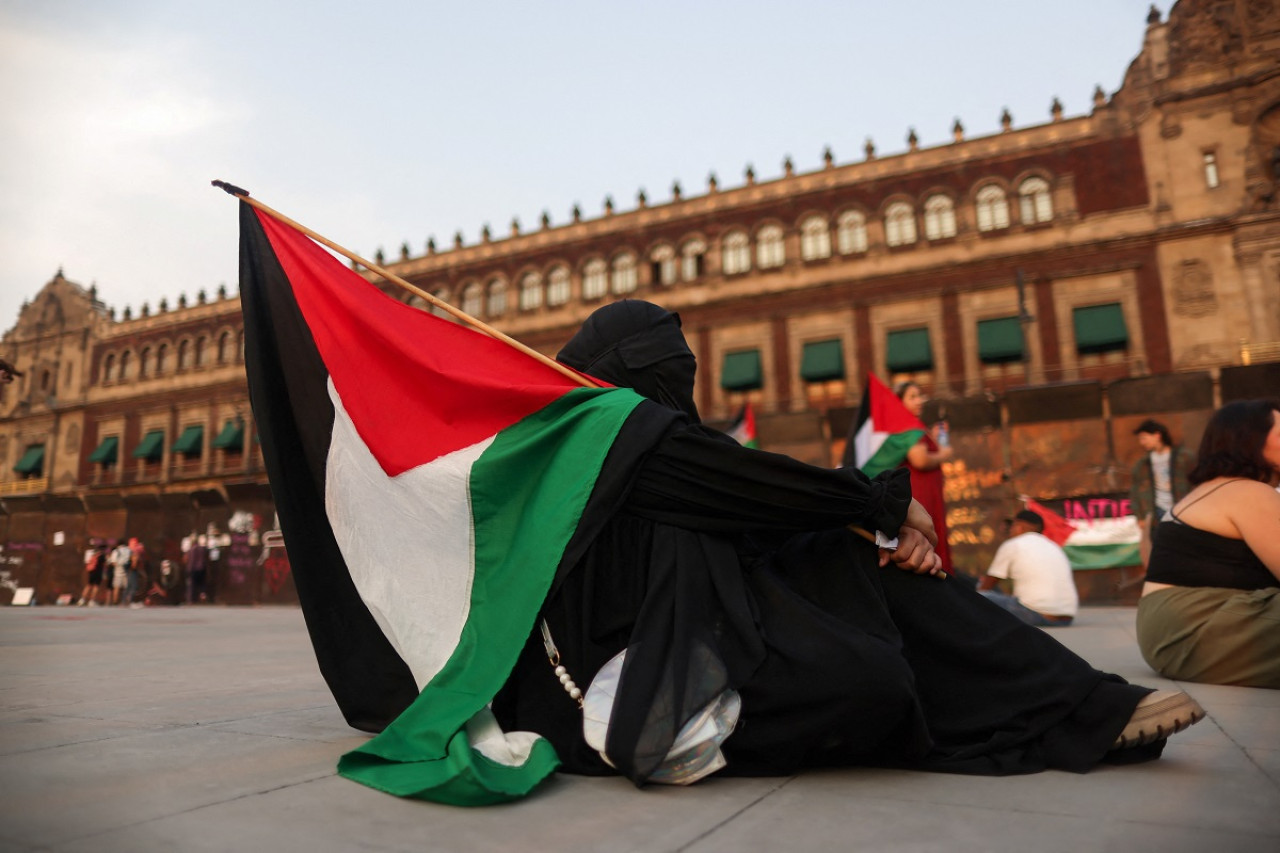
[(1098, 543), (429, 480), (882, 433)]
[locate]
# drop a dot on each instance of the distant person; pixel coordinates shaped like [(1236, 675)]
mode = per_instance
[(1210, 607), (924, 461), (197, 565), (95, 559), (1044, 591), (1159, 479), (167, 588), (119, 560), (136, 576)]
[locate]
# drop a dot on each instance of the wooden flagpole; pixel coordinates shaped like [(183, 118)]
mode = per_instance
[(430, 298)]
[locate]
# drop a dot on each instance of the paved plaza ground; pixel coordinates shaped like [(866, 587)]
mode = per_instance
[(210, 729)]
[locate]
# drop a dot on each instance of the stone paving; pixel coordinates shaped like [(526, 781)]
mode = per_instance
[(210, 729)]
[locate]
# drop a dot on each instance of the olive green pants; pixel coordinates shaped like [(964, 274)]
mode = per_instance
[(1212, 635)]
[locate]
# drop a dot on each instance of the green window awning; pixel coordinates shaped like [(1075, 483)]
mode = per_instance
[(740, 371), (822, 361), (231, 437), (32, 461), (191, 442), (999, 340), (1100, 328), (909, 351), (107, 451), (151, 448)]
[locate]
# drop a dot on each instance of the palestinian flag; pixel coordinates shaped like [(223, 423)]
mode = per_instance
[(743, 428), (882, 433), (429, 481), (1100, 543)]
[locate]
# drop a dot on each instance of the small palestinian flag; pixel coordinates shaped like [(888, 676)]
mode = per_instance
[(429, 481), (743, 428), (882, 433), (1099, 543)]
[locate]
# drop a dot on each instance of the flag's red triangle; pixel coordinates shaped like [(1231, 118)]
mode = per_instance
[(1056, 527), (416, 386), (887, 412)]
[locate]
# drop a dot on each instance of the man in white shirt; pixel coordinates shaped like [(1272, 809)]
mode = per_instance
[(1044, 592)]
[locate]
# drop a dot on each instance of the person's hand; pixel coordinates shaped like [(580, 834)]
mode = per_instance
[(919, 518), (914, 554)]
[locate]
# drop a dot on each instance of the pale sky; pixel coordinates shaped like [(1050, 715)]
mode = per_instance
[(383, 121)]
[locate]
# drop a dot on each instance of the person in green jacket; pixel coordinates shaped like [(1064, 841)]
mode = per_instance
[(1159, 478)]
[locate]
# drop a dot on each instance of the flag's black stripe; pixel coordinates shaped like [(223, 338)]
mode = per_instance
[(290, 400), (850, 458)]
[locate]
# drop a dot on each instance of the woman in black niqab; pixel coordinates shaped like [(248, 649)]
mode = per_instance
[(720, 566)]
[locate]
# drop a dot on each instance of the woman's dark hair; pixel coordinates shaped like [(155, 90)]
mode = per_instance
[(902, 387), (1233, 441)]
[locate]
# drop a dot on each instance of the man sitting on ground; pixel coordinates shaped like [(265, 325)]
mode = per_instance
[(1044, 592)]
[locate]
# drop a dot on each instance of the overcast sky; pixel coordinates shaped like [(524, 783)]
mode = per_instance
[(382, 121)]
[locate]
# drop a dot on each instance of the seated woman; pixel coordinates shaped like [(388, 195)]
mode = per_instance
[(728, 567), (1210, 608)]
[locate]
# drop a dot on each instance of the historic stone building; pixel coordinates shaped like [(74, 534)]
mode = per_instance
[(1048, 285)]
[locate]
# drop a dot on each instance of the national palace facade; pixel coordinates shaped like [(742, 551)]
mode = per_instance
[(1049, 285)]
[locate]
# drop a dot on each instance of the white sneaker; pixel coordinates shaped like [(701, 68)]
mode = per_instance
[(1158, 715)]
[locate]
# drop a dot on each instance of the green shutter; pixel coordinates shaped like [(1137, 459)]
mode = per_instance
[(740, 371), (909, 351), (32, 462), (822, 361), (191, 442), (1100, 328), (999, 340), (151, 447), (106, 452), (231, 437)]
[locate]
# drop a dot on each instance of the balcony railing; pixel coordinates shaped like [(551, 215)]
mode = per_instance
[(33, 486)]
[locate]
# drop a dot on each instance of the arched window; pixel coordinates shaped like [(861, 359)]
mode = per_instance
[(224, 348), (530, 291), (126, 366), (851, 233), (735, 253), (770, 252), (595, 279), (691, 259), (184, 355), (144, 363), (497, 304), (472, 299), (558, 291), (202, 351), (109, 367), (1036, 205), (815, 238), (992, 208), (624, 273), (162, 358), (443, 295), (939, 218), (44, 380), (663, 263), (899, 224)]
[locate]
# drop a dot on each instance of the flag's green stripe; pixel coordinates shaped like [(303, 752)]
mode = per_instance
[(528, 491), (892, 452), (1103, 556)]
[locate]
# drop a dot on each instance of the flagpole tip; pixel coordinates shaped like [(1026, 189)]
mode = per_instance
[(230, 189)]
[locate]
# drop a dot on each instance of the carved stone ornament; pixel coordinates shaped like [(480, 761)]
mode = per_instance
[(1193, 293), (1264, 16), (72, 442), (1203, 33)]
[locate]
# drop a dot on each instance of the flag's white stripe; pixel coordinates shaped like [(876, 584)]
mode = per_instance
[(867, 442), (407, 541), (1105, 531)]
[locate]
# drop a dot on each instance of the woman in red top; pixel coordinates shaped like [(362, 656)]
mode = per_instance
[(924, 460)]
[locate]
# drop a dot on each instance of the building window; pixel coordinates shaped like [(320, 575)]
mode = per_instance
[(999, 340), (770, 251), (851, 233), (162, 358), (909, 351), (939, 218), (472, 299), (992, 208), (126, 365), (497, 302), (558, 286), (735, 251), (1100, 328), (31, 465), (108, 368), (822, 361), (151, 448), (202, 351), (663, 268), (1211, 169), (107, 453), (740, 371), (191, 442), (1036, 205), (443, 295), (899, 224), (691, 259), (530, 291), (815, 239), (231, 439), (144, 363), (595, 279), (184, 355), (224, 348), (624, 273)]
